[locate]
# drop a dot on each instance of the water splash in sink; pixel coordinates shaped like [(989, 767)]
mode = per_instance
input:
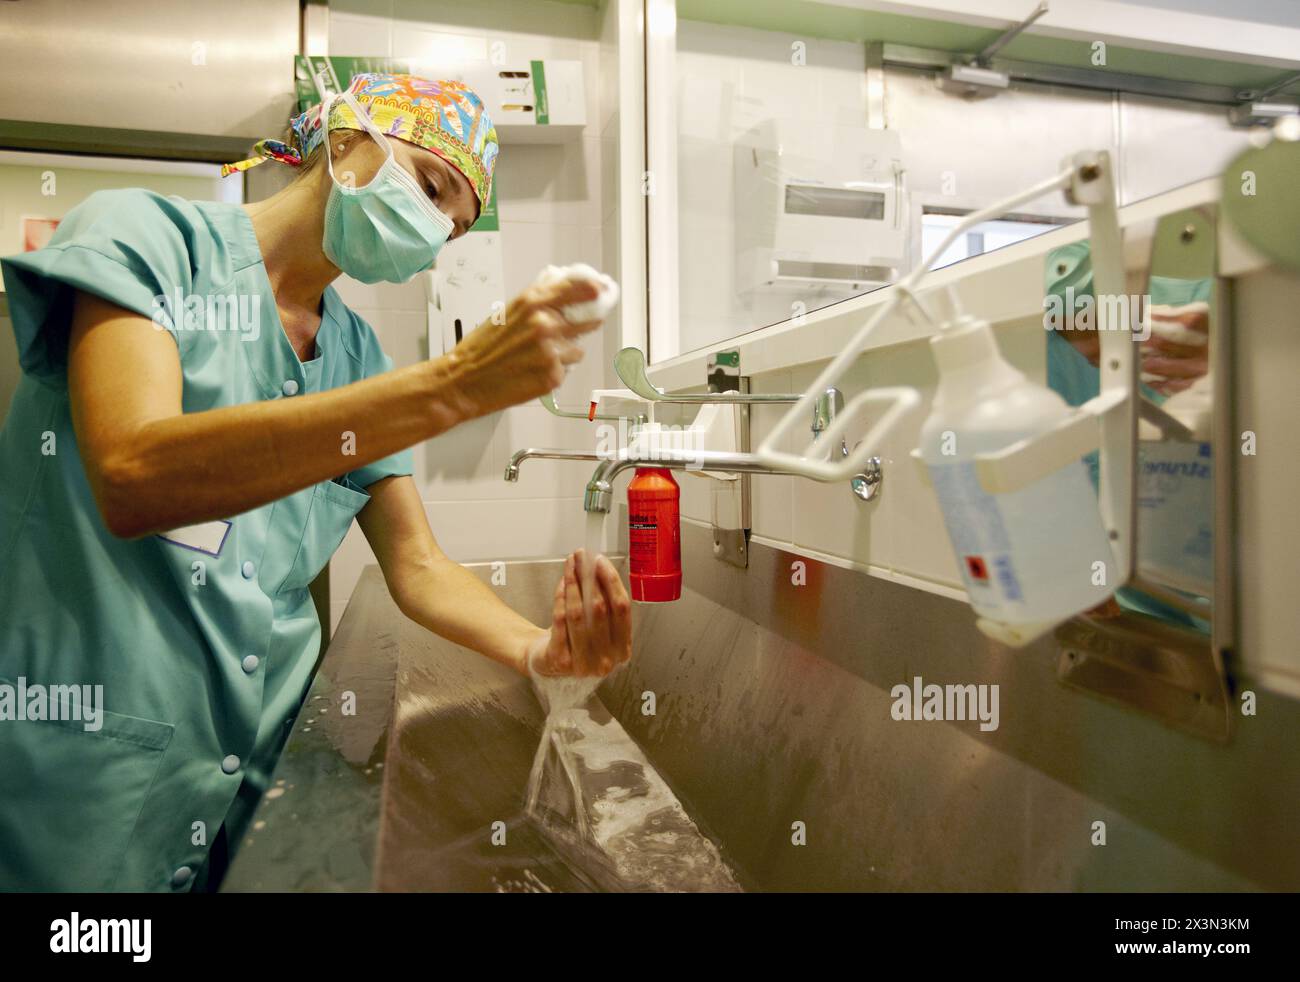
[(604, 806)]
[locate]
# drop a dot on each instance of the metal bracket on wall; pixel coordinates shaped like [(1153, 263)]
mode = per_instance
[(1262, 108), (732, 545), (892, 55), (1159, 664), (1146, 664)]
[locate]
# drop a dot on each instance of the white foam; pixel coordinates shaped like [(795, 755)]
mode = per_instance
[(596, 309)]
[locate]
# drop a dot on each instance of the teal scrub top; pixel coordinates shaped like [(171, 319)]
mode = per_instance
[(1072, 375), (205, 639), (1076, 379)]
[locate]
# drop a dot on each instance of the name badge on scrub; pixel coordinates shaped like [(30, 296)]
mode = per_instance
[(206, 537)]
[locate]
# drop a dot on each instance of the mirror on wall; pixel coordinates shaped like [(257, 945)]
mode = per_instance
[(1173, 322), (1160, 643), (817, 157)]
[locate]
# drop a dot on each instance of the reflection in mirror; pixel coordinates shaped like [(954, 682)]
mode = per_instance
[(1172, 323), (936, 221), (814, 225), (820, 165)]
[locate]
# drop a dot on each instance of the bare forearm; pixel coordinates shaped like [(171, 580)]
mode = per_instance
[(153, 467), (449, 600), (587, 635), (196, 467)]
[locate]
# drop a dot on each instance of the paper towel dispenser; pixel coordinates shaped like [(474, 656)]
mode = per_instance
[(818, 218)]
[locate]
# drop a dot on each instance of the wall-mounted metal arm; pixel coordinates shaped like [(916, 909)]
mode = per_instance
[(1262, 95), (986, 56), (630, 366), (599, 488), (546, 453)]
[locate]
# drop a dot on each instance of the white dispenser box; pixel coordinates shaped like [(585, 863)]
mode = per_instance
[(533, 101), (815, 216), (1175, 495)]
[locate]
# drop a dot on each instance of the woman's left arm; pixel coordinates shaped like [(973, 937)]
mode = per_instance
[(449, 600)]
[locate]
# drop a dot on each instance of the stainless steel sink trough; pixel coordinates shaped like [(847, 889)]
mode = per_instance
[(751, 744)]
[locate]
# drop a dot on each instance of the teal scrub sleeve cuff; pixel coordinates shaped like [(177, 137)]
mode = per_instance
[(400, 464), (128, 246), (42, 285), (375, 361)]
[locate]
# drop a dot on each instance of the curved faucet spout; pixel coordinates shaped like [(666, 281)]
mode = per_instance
[(519, 456), (599, 494)]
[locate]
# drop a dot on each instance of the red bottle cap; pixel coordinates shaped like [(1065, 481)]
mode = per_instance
[(656, 589)]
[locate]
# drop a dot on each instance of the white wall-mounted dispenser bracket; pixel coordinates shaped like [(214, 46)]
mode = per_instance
[(1109, 421)]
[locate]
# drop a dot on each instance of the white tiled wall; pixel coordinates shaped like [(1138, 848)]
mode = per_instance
[(552, 209)]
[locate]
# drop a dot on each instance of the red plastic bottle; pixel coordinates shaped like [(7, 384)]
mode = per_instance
[(654, 535)]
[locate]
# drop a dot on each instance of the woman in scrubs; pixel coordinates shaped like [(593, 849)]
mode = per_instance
[(200, 419)]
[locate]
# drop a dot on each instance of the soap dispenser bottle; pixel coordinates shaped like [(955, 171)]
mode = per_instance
[(1032, 557), (654, 535)]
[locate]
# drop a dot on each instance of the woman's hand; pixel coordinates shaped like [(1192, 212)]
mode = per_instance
[(524, 356), (591, 627), (1177, 353)]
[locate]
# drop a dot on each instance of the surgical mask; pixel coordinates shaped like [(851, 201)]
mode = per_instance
[(388, 230)]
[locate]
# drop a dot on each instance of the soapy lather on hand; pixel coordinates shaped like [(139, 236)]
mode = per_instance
[(527, 354), (586, 311), (591, 625)]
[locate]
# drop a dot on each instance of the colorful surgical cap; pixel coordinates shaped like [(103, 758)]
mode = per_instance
[(445, 117)]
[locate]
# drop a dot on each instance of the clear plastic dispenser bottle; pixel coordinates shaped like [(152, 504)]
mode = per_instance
[(1030, 558)]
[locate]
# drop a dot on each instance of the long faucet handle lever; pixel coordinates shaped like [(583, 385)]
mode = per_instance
[(548, 401), (630, 366)]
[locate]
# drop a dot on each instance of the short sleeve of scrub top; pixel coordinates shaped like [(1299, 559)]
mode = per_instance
[(129, 247), (203, 639)]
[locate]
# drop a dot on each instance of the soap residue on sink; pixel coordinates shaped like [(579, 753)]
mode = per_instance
[(594, 793)]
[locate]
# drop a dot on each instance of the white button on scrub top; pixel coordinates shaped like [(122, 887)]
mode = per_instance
[(250, 663), (248, 569), (182, 876), (230, 764), (290, 387)]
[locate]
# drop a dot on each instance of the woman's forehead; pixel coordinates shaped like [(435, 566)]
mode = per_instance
[(458, 189)]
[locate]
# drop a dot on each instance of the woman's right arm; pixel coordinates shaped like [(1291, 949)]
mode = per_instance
[(153, 467)]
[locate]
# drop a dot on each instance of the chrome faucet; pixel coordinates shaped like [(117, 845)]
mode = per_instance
[(828, 405), (599, 492), (546, 453), (631, 368)]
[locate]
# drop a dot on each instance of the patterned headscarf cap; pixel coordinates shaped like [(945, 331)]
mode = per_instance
[(445, 117)]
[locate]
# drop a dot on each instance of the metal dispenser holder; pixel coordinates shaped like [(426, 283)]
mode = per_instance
[(727, 387), (1169, 682), (1108, 421)]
